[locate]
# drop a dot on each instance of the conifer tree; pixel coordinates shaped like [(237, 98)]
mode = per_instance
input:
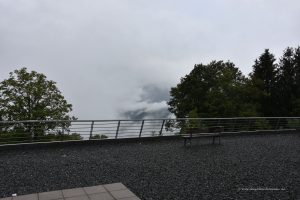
[(286, 83), (263, 79)]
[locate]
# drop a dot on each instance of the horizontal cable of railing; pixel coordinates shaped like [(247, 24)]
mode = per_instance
[(57, 130)]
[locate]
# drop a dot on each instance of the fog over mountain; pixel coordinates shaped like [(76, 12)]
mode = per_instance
[(152, 104), (119, 58)]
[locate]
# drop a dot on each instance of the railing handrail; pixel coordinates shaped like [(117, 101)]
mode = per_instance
[(55, 130), (152, 119)]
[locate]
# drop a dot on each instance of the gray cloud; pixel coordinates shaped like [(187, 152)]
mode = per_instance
[(104, 54), (146, 114), (152, 93), (152, 104)]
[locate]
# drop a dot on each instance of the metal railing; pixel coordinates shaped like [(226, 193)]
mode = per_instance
[(57, 130)]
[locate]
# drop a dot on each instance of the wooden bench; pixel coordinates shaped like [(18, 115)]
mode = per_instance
[(213, 132)]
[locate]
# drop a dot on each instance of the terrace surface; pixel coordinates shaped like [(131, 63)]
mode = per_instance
[(242, 167)]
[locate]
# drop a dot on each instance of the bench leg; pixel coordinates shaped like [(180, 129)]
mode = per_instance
[(213, 140), (185, 140)]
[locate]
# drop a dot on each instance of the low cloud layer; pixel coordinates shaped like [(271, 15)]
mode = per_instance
[(118, 58), (148, 111), (152, 104)]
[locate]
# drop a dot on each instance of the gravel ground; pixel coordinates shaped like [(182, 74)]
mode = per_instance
[(242, 167)]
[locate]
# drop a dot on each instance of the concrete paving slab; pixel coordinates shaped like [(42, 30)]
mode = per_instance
[(115, 186), (115, 191), (120, 194), (131, 198), (94, 189), (53, 195), (26, 197), (78, 198), (102, 196), (73, 192)]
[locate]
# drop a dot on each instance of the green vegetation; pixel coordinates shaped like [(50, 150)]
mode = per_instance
[(16, 136), (99, 136), (30, 96), (219, 89), (56, 137), (213, 90), (293, 123), (262, 124)]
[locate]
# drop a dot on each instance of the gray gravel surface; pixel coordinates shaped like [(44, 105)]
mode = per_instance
[(242, 167)]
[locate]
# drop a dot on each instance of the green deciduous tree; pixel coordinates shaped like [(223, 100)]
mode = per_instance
[(213, 90), (30, 96)]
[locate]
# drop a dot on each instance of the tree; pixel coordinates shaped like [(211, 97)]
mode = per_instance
[(213, 90), (286, 83), (296, 103), (263, 80), (30, 96)]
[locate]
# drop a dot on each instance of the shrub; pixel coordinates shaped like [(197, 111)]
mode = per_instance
[(60, 137), (293, 123), (99, 136), (14, 137), (262, 124), (18, 137)]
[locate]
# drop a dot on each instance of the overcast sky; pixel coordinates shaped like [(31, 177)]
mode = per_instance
[(119, 58)]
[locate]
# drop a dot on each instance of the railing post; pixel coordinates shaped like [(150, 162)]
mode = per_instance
[(117, 131), (234, 124), (91, 131), (141, 128), (161, 128), (249, 124), (277, 124)]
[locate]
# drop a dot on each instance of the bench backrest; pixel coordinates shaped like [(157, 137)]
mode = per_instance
[(212, 129), (216, 129), (196, 130)]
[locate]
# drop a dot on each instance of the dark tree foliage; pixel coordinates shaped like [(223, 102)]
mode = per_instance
[(263, 82), (296, 103), (297, 70), (286, 83), (264, 70), (213, 90), (220, 90), (288, 93)]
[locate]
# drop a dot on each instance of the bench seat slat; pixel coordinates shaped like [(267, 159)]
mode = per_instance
[(214, 132), (199, 135)]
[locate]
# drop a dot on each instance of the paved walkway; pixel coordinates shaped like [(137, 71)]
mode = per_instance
[(115, 191)]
